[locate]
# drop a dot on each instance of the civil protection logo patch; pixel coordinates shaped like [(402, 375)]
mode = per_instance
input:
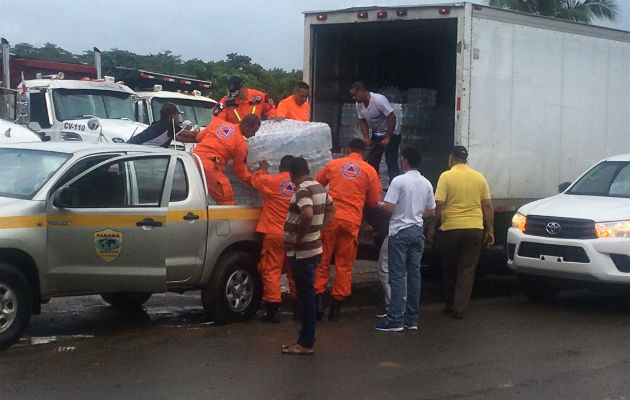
[(286, 188), (350, 170), (108, 244), (225, 131)]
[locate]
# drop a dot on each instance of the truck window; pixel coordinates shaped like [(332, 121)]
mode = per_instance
[(608, 178), (133, 183), (73, 104), (199, 112), (179, 192), (23, 172), (39, 112), (80, 166)]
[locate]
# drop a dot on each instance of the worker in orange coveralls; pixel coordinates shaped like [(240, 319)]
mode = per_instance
[(242, 101), (276, 191), (352, 182), (219, 143), (295, 106)]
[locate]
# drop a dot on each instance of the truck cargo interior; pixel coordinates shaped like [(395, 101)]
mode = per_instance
[(413, 63)]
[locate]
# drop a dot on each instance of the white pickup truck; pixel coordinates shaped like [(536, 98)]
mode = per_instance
[(578, 238), (119, 220)]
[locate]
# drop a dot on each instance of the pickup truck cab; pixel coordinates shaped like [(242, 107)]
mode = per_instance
[(119, 220), (578, 238)]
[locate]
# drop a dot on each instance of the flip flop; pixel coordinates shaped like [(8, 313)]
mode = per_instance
[(296, 350)]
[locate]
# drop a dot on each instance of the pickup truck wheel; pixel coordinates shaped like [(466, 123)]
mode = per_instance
[(126, 300), (235, 291), (538, 288), (16, 304)]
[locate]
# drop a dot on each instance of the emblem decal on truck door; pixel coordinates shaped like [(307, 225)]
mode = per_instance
[(108, 244)]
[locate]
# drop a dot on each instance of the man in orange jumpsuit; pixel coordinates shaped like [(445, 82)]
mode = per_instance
[(276, 191), (296, 106), (352, 182), (219, 143), (242, 101)]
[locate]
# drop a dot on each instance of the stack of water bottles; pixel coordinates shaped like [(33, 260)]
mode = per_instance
[(274, 140)]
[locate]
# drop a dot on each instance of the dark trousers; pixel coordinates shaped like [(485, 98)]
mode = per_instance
[(459, 251), (391, 154), (303, 270)]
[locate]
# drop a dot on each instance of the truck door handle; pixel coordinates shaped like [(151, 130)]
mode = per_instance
[(190, 217), (148, 222)]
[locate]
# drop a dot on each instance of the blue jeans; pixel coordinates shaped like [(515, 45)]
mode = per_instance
[(303, 271), (391, 154), (405, 253)]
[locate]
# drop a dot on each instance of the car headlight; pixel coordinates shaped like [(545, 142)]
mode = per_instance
[(614, 229), (519, 221)]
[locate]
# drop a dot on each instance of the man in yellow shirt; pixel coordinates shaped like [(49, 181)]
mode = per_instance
[(464, 207)]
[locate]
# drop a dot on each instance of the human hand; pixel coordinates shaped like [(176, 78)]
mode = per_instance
[(488, 238), (276, 118), (263, 165), (367, 141), (430, 235), (385, 141)]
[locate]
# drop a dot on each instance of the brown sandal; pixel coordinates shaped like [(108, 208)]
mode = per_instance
[(296, 350)]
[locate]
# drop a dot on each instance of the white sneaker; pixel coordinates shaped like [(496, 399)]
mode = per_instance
[(382, 315), (411, 327)]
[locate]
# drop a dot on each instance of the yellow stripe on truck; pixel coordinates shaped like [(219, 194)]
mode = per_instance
[(234, 213), (30, 221)]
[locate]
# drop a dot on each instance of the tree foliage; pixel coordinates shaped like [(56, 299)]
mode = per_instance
[(572, 10), (276, 82)]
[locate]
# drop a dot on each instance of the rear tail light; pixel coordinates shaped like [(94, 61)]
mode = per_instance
[(362, 14), (321, 17), (445, 10), (401, 13), (381, 15)]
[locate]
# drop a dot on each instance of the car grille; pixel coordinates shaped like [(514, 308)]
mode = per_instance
[(568, 253), (570, 228)]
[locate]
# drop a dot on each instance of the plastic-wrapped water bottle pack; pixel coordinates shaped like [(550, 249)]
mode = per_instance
[(274, 140)]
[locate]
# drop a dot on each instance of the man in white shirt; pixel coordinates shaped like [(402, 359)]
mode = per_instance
[(375, 113), (409, 199)]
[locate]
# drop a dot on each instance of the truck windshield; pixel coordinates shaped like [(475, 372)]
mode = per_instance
[(77, 103), (199, 112), (23, 172), (608, 178)]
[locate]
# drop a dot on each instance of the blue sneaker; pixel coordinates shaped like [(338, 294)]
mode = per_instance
[(385, 327)]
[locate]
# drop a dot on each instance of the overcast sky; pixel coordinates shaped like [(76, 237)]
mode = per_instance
[(271, 32)]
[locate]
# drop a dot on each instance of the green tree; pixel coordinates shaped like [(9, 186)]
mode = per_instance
[(572, 10)]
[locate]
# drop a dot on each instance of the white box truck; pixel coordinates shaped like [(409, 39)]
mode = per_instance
[(535, 100)]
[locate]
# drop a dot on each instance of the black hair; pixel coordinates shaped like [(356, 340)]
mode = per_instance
[(298, 167), (285, 162), (412, 156), (250, 120), (358, 85), (301, 85), (357, 144), (167, 111), (460, 153)]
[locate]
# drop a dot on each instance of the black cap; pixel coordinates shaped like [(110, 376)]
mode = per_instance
[(460, 152), (234, 84)]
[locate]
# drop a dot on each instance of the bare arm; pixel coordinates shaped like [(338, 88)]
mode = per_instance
[(329, 213), (437, 214), (488, 221), (306, 220), (365, 130)]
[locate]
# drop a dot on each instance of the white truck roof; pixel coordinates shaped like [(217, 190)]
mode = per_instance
[(175, 95), (76, 84)]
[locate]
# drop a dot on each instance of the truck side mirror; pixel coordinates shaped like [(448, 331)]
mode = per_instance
[(563, 186), (62, 197), (23, 109), (34, 126)]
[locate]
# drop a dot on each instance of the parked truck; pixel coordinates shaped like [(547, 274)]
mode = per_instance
[(535, 100), (123, 221)]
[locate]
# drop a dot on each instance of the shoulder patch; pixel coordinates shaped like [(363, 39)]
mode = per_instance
[(218, 108), (287, 188), (225, 131), (255, 100)]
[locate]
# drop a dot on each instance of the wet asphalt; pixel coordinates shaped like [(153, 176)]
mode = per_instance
[(506, 347)]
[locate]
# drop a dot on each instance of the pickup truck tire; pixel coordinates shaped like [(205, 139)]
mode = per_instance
[(234, 292), (538, 288), (16, 304), (126, 300)]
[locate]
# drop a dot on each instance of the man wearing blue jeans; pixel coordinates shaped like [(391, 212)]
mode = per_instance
[(409, 199)]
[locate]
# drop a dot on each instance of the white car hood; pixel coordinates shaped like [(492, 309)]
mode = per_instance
[(121, 129), (596, 208), (13, 133)]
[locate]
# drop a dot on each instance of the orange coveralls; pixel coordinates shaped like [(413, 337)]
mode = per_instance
[(351, 182), (289, 109), (256, 103), (276, 191), (219, 143)]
